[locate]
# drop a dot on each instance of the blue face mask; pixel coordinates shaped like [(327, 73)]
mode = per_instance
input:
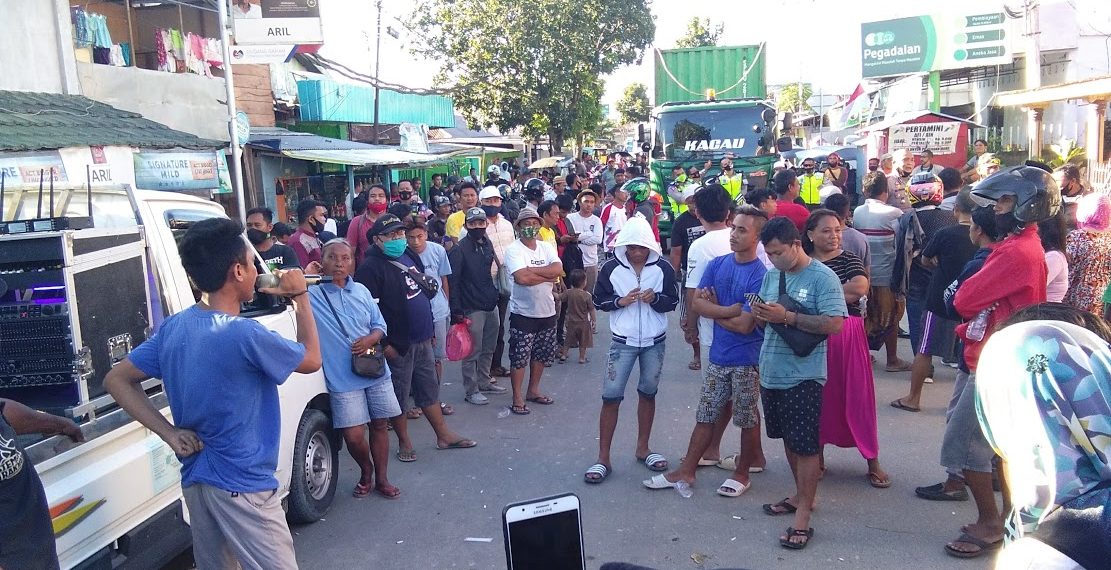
[(394, 248), (491, 211)]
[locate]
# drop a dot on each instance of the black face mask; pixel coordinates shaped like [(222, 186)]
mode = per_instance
[(1005, 224), (476, 234), (491, 211), (405, 195), (809, 170), (316, 225), (257, 237)]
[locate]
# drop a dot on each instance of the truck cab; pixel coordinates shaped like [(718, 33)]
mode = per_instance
[(116, 498)]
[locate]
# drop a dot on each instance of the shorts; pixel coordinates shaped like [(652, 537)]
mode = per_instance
[(793, 415), (964, 447), (741, 384), (439, 341), (579, 335), (357, 407), (415, 373), (247, 527), (619, 366), (938, 336), (526, 346)]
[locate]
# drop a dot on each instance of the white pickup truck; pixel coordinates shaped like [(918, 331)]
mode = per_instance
[(116, 498)]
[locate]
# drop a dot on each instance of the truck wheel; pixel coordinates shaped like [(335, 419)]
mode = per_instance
[(315, 469)]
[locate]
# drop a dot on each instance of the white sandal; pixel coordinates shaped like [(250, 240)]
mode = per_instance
[(732, 488), (658, 482)]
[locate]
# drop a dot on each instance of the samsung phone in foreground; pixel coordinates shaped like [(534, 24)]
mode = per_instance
[(544, 534)]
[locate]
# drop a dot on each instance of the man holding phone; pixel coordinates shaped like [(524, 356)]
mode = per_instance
[(791, 385)]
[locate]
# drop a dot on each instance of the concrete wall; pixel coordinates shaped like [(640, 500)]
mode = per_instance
[(181, 101), (36, 49)]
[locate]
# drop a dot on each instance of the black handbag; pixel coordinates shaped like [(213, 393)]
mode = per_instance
[(370, 364), (428, 284), (802, 343)]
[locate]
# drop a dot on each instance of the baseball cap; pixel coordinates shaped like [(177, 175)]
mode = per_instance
[(493, 169), (689, 192), (526, 214), (559, 179), (489, 192), (474, 214), (385, 224)]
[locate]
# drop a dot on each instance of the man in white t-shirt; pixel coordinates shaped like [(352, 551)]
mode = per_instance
[(535, 268), (589, 229), (613, 219)]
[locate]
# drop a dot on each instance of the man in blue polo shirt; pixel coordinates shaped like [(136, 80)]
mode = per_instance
[(221, 374)]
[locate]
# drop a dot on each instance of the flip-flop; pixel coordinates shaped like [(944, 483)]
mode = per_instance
[(733, 488), (878, 482), (658, 482), (460, 444), (786, 542), (898, 404), (361, 490), (446, 409), (406, 456), (520, 410), (983, 545), (597, 469), (787, 508), (694, 365), (655, 462), (396, 494), (542, 400), (413, 414), (729, 463), (900, 368)]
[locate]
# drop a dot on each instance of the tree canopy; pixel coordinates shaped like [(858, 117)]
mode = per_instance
[(788, 98), (633, 105), (544, 79), (700, 33)]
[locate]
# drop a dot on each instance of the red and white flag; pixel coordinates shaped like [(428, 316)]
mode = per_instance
[(855, 106)]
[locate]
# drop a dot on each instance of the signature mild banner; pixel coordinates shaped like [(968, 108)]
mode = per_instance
[(176, 171), (932, 43)]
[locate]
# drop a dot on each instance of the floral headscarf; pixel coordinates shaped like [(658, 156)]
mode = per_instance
[(1043, 396)]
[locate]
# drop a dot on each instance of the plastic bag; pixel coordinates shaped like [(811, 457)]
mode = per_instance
[(459, 343)]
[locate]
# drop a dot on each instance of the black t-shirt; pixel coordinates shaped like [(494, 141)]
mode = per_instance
[(280, 257), (953, 249), (684, 231), (933, 221), (26, 535), (420, 308), (847, 266)]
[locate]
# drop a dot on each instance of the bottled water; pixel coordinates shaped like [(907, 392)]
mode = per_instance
[(684, 489), (504, 413), (979, 326)]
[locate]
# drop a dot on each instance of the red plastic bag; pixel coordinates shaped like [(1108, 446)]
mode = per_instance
[(459, 343)]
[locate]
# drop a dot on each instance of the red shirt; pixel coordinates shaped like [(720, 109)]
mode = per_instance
[(306, 245), (794, 212), (1013, 277)]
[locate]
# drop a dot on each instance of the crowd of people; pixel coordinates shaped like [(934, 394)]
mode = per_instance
[(782, 294)]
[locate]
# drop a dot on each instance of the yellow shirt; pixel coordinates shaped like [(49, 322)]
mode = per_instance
[(548, 235), (454, 226)]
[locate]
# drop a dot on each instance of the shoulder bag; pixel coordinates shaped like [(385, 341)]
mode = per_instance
[(505, 279), (802, 343), (428, 284), (371, 364)]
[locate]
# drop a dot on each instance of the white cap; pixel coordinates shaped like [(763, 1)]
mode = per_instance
[(493, 168), (689, 191), (489, 192)]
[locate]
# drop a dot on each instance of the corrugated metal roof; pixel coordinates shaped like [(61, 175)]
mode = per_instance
[(326, 100), (279, 139), (48, 121)]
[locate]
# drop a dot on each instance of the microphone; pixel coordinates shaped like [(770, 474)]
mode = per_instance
[(269, 280)]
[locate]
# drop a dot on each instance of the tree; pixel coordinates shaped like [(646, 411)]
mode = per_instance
[(700, 33), (633, 106), (788, 98), (543, 79)]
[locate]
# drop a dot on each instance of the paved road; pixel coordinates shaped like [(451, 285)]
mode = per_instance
[(452, 495)]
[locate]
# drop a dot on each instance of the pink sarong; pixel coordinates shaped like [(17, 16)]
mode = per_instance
[(849, 396)]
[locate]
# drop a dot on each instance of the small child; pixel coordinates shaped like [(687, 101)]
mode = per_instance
[(582, 321)]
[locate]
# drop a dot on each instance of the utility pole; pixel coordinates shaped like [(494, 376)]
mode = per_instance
[(229, 85), (377, 68), (1033, 76)]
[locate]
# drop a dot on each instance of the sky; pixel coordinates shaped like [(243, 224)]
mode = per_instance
[(815, 41)]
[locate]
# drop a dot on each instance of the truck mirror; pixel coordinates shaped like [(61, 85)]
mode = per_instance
[(640, 133), (768, 115), (757, 128), (787, 121), (783, 144), (647, 148)]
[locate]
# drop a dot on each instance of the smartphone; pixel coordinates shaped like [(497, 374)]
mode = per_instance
[(753, 298), (544, 534)]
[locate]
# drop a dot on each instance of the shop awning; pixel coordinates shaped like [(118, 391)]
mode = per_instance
[(1090, 90), (379, 156)]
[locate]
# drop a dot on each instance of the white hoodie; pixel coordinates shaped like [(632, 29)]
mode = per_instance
[(639, 324)]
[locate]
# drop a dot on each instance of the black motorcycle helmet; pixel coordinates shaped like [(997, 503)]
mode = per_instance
[(534, 190), (1037, 196)]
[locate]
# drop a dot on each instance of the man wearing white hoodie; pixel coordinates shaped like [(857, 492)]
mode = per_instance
[(638, 288)]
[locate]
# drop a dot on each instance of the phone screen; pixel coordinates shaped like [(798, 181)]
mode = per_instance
[(551, 541), (753, 298)]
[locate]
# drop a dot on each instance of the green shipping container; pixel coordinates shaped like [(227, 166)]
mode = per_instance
[(686, 74)]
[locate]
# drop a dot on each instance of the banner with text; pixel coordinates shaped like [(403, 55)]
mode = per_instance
[(932, 43), (29, 168), (277, 22), (176, 171), (940, 138)]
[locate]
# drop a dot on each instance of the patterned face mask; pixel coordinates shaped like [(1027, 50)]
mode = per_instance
[(1043, 396)]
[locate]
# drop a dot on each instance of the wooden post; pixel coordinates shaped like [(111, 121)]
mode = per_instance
[(131, 35)]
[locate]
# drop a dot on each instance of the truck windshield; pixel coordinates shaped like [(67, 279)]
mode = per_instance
[(709, 134)]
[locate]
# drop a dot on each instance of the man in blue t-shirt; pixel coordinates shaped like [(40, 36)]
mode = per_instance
[(791, 385), (732, 375), (221, 374)]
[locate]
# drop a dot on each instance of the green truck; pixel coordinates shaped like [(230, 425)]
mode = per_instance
[(710, 103)]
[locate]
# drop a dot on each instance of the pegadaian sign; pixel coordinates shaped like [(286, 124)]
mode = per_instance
[(932, 43)]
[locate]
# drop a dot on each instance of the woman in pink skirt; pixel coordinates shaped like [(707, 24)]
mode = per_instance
[(849, 395)]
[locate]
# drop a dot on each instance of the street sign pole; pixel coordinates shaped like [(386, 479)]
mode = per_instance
[(229, 85)]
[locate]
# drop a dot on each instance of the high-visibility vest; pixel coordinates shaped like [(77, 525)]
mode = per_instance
[(732, 184), (810, 185)]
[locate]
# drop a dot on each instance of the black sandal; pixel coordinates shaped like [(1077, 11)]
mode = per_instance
[(787, 508), (792, 532)]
